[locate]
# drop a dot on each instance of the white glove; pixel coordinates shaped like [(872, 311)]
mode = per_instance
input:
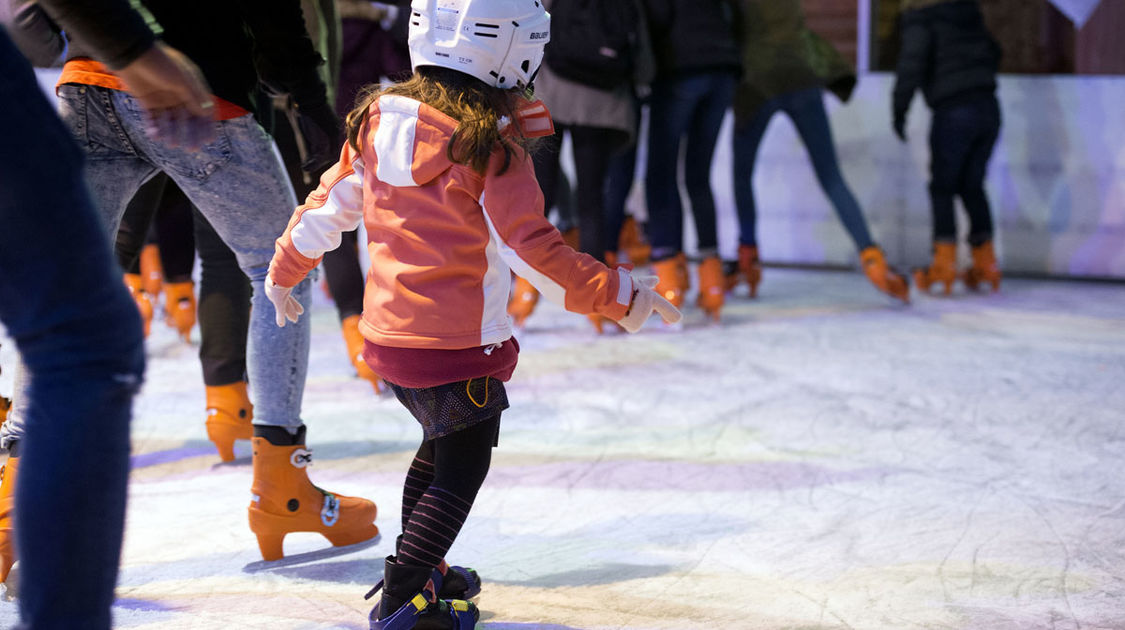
[(645, 301), (287, 306)]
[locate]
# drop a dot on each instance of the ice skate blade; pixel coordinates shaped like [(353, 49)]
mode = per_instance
[(310, 556), (10, 589)]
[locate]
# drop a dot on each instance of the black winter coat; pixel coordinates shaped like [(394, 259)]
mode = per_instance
[(695, 36), (235, 43), (946, 51)]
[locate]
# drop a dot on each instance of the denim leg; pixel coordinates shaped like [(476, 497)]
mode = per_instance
[(702, 136), (619, 181), (747, 139), (971, 189), (79, 335), (114, 171), (806, 109), (239, 184), (669, 115)]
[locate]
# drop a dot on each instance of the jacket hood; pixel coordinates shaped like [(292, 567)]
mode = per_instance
[(410, 140)]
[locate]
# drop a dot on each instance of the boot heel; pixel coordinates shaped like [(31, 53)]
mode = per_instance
[(271, 545), (223, 439)]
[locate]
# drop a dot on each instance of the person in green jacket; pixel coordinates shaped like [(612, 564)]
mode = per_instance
[(785, 68)]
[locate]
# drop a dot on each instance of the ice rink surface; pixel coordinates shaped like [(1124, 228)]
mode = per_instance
[(823, 459)]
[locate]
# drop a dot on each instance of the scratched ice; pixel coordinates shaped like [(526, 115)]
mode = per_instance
[(822, 459)]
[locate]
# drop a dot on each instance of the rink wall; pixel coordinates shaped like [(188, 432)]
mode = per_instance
[(1056, 180)]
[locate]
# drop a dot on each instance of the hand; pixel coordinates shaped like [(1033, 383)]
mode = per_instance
[(320, 129), (175, 95), (645, 302), (900, 126), (287, 306)]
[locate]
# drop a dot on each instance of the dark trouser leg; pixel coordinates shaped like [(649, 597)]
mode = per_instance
[(224, 308), (976, 167), (669, 115), (747, 139), (593, 147), (806, 109), (619, 181), (703, 134), (174, 234), (135, 223), (79, 335), (951, 135)]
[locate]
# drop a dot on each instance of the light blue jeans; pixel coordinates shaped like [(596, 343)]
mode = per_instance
[(238, 182)]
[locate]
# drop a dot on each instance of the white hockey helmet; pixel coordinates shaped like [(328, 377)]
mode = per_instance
[(499, 42)]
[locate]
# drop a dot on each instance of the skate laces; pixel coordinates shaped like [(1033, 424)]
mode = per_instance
[(330, 513)]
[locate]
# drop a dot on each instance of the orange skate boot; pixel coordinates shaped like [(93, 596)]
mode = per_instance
[(144, 304), (984, 269), (943, 268), (711, 286), (152, 272), (354, 342), (748, 267), (671, 279), (524, 299), (882, 276), (229, 416), (179, 307), (7, 503), (285, 501), (632, 242)]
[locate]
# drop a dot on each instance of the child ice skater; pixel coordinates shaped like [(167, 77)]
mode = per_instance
[(948, 52), (437, 168)]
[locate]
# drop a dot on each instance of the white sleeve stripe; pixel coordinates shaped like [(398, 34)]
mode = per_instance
[(320, 228), (624, 287), (394, 140), (549, 288)]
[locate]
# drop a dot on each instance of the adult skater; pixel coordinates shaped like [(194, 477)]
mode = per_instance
[(698, 62), (437, 170), (77, 330), (239, 184), (786, 67), (948, 52)]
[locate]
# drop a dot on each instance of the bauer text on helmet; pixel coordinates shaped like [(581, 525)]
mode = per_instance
[(499, 42)]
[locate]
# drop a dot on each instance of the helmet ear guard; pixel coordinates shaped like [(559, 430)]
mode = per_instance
[(499, 42)]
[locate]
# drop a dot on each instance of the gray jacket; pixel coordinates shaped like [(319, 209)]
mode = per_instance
[(577, 104)]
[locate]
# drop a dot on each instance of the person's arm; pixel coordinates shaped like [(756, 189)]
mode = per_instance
[(111, 28), (534, 249), (34, 34), (335, 207), (913, 64), (165, 82)]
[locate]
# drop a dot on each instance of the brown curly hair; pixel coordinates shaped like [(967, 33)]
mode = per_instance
[(477, 108)]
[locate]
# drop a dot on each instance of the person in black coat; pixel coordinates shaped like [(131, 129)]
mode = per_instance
[(948, 53)]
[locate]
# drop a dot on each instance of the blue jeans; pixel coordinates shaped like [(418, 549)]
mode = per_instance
[(962, 136), (79, 336), (239, 184), (806, 109), (684, 109)]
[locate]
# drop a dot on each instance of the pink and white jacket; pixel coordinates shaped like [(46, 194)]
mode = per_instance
[(441, 237)]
